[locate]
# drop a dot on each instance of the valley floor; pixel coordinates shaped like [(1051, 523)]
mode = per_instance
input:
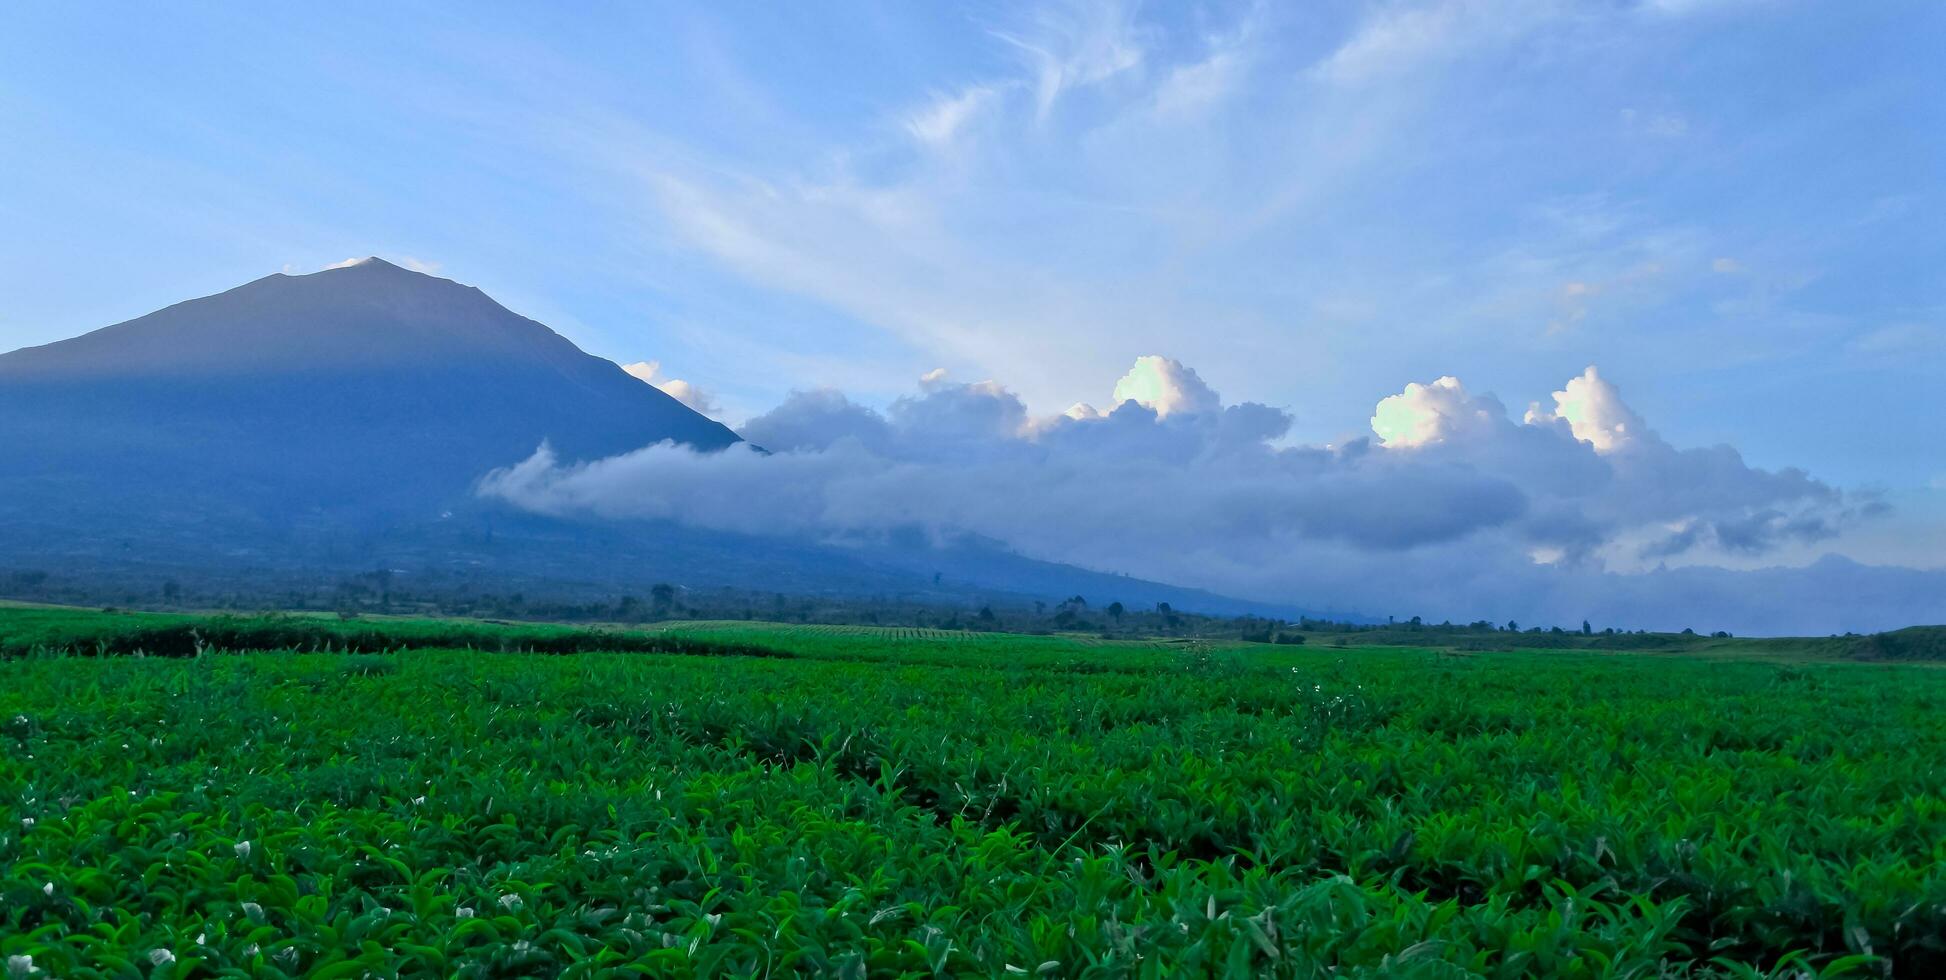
[(757, 799)]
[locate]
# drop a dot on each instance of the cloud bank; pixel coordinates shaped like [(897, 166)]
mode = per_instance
[(1451, 509)]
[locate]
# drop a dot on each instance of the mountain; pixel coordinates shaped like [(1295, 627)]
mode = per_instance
[(298, 429), (369, 392)]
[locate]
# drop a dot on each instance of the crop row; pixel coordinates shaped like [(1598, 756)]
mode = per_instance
[(460, 812)]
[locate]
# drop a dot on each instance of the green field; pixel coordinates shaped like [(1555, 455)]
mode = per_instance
[(742, 799)]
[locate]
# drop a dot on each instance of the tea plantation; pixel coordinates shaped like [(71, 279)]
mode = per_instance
[(780, 801)]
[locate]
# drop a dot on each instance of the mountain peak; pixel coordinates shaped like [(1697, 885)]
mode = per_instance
[(370, 263), (355, 386)]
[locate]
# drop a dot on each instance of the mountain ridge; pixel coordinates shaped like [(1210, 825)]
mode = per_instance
[(342, 419)]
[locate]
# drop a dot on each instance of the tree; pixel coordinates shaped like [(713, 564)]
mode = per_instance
[(986, 615), (661, 597), (1513, 627), (1115, 611), (1586, 629)]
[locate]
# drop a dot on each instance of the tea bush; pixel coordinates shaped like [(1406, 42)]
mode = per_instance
[(1001, 807)]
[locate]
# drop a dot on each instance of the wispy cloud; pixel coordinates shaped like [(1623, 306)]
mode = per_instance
[(1073, 45), (940, 121)]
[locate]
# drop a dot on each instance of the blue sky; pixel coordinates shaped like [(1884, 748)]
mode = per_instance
[(1733, 207)]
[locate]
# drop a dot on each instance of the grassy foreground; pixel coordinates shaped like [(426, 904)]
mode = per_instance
[(866, 803)]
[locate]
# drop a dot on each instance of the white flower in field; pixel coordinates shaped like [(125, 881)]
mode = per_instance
[(511, 902), (48, 889), (463, 912), (286, 956), (522, 945), (253, 910), (27, 823), (202, 939), (418, 801), (252, 949), (160, 957), (20, 967), (242, 849)]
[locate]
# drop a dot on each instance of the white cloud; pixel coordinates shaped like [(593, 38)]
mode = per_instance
[(650, 372), (1594, 412), (1455, 508), (1166, 387), (1074, 45), (1900, 340), (1294, 212), (940, 122), (1192, 87), (1393, 40), (1424, 414), (1404, 39)]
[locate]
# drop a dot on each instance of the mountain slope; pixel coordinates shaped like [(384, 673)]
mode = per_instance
[(301, 428), (366, 392)]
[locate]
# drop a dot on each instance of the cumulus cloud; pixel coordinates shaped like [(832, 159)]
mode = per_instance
[(1430, 413), (650, 372), (1165, 387), (1593, 410), (1452, 506)]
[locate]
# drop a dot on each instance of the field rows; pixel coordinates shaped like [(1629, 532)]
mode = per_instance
[(1000, 807)]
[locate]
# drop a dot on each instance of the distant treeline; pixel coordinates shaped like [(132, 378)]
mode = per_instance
[(1911, 643), (84, 634), (383, 594)]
